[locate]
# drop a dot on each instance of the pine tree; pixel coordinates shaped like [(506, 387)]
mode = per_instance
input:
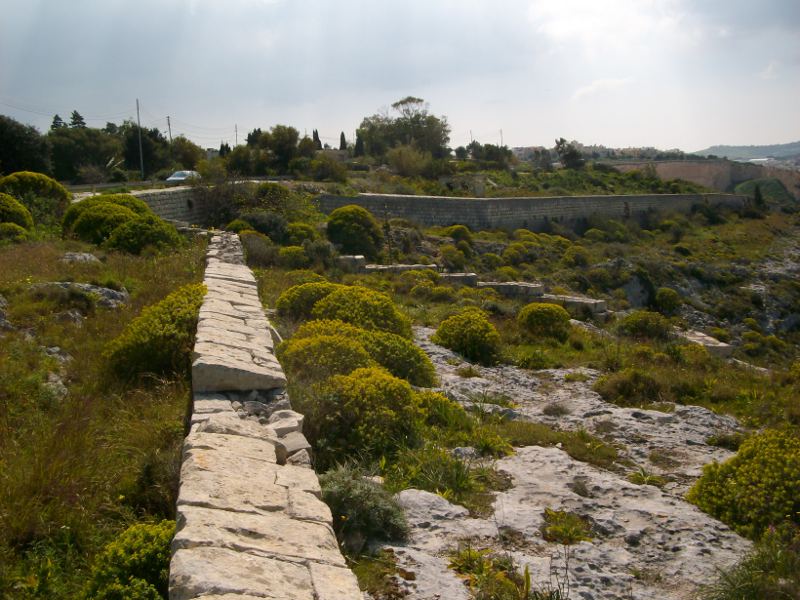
[(359, 147), (76, 120), (342, 142), (758, 197), (317, 142), (58, 123), (224, 149)]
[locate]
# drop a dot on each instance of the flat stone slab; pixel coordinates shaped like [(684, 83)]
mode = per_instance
[(231, 491), (214, 374), (232, 424), (713, 345), (333, 583), (268, 534), (307, 507), (232, 445), (202, 572)]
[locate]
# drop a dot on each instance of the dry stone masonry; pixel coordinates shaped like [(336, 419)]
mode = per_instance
[(250, 520)]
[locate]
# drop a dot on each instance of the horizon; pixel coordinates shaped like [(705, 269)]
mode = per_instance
[(669, 74)]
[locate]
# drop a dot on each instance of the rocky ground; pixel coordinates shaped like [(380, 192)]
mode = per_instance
[(647, 542)]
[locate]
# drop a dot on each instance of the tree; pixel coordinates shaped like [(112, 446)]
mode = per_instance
[(283, 144), (22, 148), (342, 142), (155, 148), (74, 149), (758, 197), (461, 153), (317, 142), (358, 149), (76, 120), (239, 161), (568, 154), (225, 148), (58, 123), (306, 148), (413, 126), (253, 137), (186, 153)]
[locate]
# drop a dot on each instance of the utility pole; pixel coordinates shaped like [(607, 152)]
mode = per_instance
[(139, 127), (501, 138), (169, 128), (470, 136), (236, 133)]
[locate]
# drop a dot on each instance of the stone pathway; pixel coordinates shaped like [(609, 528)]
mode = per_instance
[(648, 543), (250, 521)]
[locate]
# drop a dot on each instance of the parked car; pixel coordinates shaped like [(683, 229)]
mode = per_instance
[(183, 176)]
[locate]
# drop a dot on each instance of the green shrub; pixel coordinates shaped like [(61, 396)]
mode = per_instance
[(564, 527), (451, 258), (667, 301), (470, 334), (298, 301), (576, 256), (269, 223), (143, 232), (543, 320), (258, 249), (363, 307), (293, 257), (395, 353), (355, 230), (646, 324), (407, 280), (238, 225), (459, 233), (433, 469), (297, 233), (444, 413), (11, 232), (757, 488), (40, 194), (318, 357), (629, 387), (77, 209), (368, 413), (96, 224), (12, 211), (298, 276), (160, 339), (363, 511), (135, 565)]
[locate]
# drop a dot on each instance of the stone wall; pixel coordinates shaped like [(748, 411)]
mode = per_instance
[(250, 522), (513, 213), (175, 204)]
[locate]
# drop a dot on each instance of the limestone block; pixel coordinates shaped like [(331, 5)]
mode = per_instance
[(285, 414), (293, 442), (217, 374), (300, 459), (204, 403), (231, 424), (334, 583), (196, 572), (226, 323), (307, 507), (231, 491), (231, 445), (268, 534), (283, 427), (223, 461), (298, 478)]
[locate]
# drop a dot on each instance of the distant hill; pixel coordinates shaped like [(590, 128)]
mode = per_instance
[(789, 150)]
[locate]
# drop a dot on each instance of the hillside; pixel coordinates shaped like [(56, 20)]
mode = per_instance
[(790, 150)]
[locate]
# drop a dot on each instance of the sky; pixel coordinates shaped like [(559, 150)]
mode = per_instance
[(664, 73)]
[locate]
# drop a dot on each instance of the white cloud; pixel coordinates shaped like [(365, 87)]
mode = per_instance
[(598, 86), (770, 71)]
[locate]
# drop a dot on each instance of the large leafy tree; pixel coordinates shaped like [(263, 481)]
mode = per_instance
[(73, 148), (22, 148), (155, 148), (412, 126), (186, 153), (568, 154)]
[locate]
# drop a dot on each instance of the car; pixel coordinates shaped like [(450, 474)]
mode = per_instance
[(183, 176)]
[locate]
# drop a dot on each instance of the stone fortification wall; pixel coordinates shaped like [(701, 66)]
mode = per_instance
[(722, 175), (250, 521), (175, 204), (513, 213)]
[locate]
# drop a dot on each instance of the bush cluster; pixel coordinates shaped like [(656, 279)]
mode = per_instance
[(471, 334), (363, 511), (298, 301), (401, 357), (74, 212), (146, 231), (646, 324), (543, 320), (355, 231), (363, 307), (238, 225), (318, 357), (756, 489), (41, 195), (12, 232), (135, 566), (258, 248), (368, 413), (12, 211), (97, 222), (160, 339)]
